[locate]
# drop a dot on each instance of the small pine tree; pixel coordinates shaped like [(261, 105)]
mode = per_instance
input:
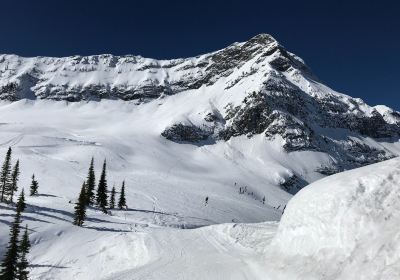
[(80, 208), (21, 205), (122, 200), (10, 261), (102, 190), (22, 266), (112, 198), (90, 184), (14, 180), (34, 186), (5, 175)]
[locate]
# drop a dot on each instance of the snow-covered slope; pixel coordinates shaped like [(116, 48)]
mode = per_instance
[(341, 227)]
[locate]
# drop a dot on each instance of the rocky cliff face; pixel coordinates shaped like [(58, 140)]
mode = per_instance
[(251, 88)]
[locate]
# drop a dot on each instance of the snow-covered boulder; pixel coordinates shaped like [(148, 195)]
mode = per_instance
[(346, 226)]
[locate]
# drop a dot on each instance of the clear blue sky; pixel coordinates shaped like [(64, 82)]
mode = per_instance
[(353, 46)]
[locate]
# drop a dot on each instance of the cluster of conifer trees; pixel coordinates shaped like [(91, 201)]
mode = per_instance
[(9, 177), (88, 197), (15, 264)]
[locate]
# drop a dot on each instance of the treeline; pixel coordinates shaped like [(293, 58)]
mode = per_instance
[(88, 197)]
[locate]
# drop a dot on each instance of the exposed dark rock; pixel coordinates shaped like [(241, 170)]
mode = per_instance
[(252, 118), (269, 114), (293, 184), (362, 154), (9, 92), (280, 63), (297, 135), (210, 117), (328, 170), (185, 133)]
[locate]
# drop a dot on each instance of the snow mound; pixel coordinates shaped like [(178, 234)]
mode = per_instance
[(345, 226)]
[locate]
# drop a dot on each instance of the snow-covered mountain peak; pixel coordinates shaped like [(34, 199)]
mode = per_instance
[(248, 89)]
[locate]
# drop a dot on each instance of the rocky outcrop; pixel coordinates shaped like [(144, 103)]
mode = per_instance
[(9, 92), (253, 117), (185, 133), (293, 183)]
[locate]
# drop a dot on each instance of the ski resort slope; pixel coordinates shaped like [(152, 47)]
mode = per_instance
[(166, 184), (56, 140), (342, 227)]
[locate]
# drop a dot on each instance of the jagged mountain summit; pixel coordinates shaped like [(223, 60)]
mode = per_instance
[(246, 89)]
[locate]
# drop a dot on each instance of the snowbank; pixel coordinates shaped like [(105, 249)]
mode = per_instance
[(345, 226)]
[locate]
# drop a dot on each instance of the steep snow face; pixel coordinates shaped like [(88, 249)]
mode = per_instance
[(344, 226)]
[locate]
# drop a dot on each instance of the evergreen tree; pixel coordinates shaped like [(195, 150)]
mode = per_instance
[(112, 198), (122, 200), (22, 266), (5, 175), (90, 184), (34, 186), (10, 261), (14, 180), (102, 190), (80, 208), (21, 205)]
